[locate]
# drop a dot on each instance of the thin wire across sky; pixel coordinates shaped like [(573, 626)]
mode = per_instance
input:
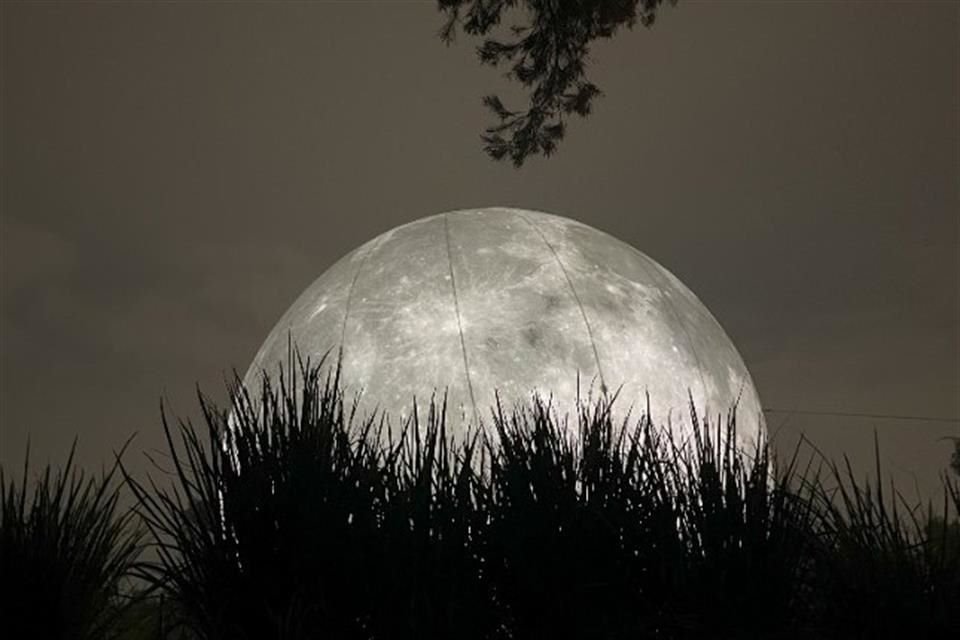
[(851, 414)]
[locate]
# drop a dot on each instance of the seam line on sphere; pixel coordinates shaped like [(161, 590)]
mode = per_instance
[(665, 284), (456, 310), (573, 290), (346, 306)]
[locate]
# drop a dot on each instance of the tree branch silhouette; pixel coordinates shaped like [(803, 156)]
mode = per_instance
[(547, 53)]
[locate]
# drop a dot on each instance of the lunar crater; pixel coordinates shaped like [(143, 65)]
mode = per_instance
[(533, 336), (552, 302)]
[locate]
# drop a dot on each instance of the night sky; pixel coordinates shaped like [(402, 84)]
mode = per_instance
[(175, 174)]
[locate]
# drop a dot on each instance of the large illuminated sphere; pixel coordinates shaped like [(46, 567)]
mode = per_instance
[(518, 301)]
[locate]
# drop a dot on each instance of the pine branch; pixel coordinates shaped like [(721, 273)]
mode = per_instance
[(548, 54)]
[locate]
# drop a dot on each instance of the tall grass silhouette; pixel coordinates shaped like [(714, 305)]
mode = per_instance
[(66, 548), (886, 568), (291, 518), (285, 515)]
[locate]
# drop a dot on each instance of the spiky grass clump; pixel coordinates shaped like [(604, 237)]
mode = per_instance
[(65, 550), (883, 567), (287, 519), (629, 532), (292, 521), (747, 528)]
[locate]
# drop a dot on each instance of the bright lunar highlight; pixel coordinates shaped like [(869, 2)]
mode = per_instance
[(518, 301)]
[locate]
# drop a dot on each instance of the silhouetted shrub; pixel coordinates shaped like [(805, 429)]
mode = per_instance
[(286, 516), (288, 519), (882, 568), (65, 550)]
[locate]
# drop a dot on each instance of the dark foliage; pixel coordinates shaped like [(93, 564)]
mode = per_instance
[(883, 569), (287, 520), (547, 52), (292, 522), (65, 550), (656, 540), (284, 517)]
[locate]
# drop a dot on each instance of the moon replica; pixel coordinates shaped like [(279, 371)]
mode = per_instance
[(519, 301)]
